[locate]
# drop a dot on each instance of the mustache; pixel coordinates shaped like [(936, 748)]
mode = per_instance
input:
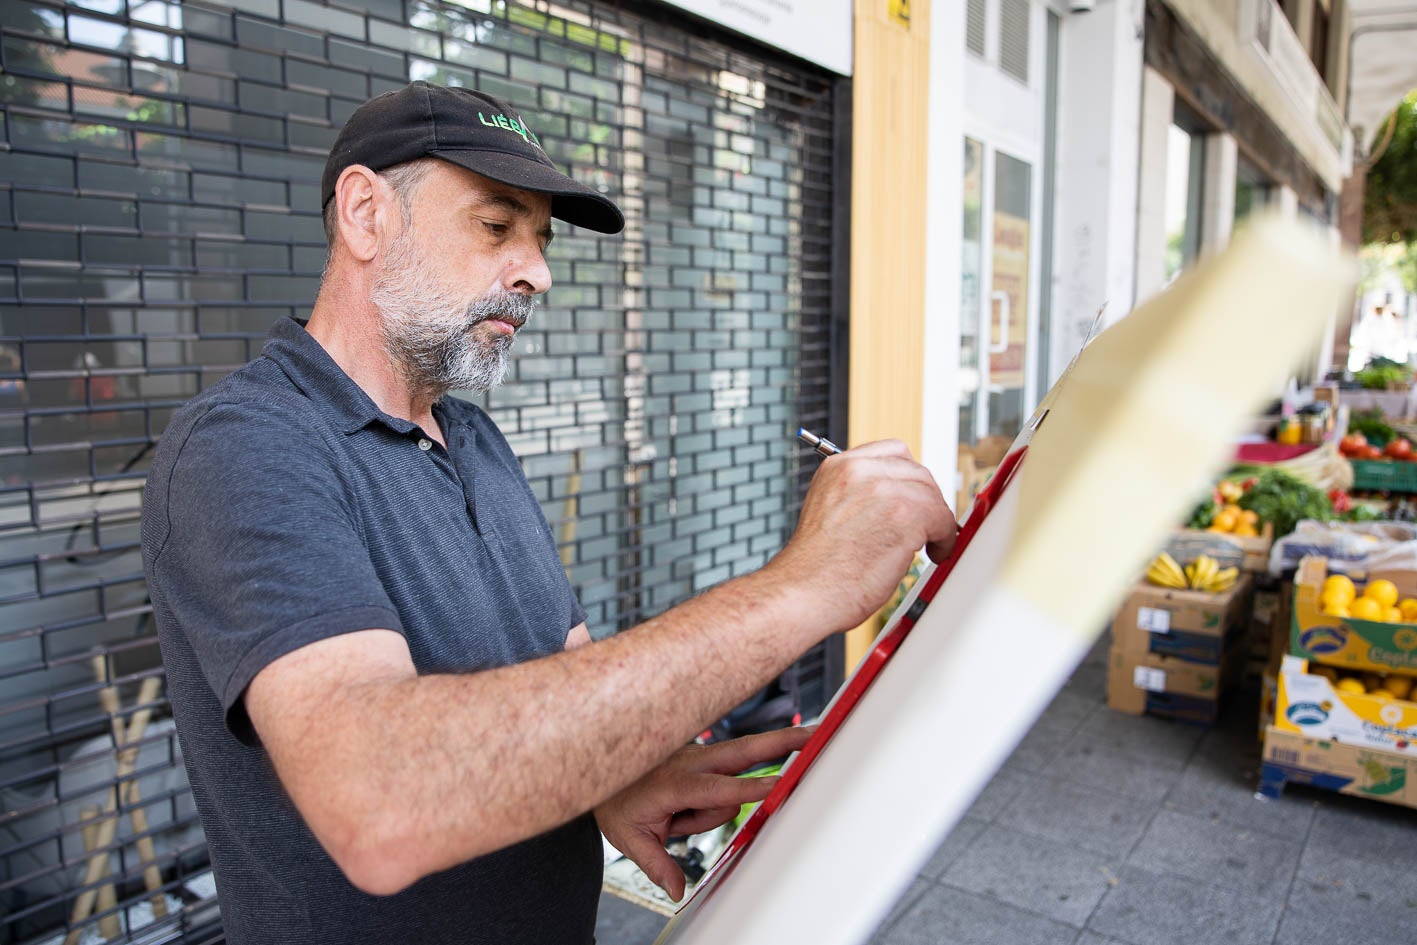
[(514, 308)]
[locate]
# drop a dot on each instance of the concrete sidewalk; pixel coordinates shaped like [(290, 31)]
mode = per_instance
[(1108, 828)]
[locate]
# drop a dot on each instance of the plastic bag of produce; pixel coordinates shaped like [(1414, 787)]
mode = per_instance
[(1353, 548)]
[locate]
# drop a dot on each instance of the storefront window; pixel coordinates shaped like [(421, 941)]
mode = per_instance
[(1185, 169)]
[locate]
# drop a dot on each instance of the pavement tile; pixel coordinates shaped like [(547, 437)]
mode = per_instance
[(1148, 909), (1006, 784), (1083, 817), (1323, 912), (620, 922), (946, 916), (1056, 880), (1364, 881), (1364, 829), (1070, 708), (1092, 938), (1144, 737), (1088, 679), (1217, 853), (1228, 793), (1042, 745), (953, 846), (1107, 770)]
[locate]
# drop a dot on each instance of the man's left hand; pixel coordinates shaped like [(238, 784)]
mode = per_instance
[(694, 791)]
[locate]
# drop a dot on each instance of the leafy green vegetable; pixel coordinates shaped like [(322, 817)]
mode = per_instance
[(1280, 498), (1381, 376), (1373, 425), (1202, 515)]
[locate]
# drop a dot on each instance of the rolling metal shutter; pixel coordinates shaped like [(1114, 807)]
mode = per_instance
[(159, 209)]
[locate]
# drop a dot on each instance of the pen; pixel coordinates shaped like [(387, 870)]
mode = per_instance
[(821, 444)]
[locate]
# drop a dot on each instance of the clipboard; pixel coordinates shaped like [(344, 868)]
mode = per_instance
[(1141, 420)]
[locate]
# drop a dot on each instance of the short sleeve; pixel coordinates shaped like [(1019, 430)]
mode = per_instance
[(263, 552)]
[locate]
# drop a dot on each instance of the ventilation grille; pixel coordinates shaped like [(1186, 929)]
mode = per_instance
[(974, 26), (1013, 38)]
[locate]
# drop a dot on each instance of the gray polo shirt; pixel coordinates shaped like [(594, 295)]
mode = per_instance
[(284, 507)]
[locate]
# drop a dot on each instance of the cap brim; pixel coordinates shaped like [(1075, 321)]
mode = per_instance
[(573, 202)]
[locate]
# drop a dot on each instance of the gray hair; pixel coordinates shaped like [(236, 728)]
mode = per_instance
[(403, 178)]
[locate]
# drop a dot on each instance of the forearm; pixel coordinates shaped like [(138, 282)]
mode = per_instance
[(450, 767)]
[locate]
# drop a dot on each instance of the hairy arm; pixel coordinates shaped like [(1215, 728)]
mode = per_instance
[(400, 775)]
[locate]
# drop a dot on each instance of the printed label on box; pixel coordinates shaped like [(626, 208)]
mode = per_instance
[(1153, 620), (1152, 680)]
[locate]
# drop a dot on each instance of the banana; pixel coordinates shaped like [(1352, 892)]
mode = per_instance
[(1191, 574), (1170, 566), (1164, 571), (1200, 572), (1223, 580)]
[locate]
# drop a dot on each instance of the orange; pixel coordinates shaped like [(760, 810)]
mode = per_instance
[(1339, 586), (1382, 591), (1408, 606), (1225, 520), (1250, 517), (1399, 686), (1365, 608)]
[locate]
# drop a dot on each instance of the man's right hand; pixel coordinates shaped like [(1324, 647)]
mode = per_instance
[(867, 512)]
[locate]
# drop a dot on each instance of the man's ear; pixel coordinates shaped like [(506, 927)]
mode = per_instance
[(359, 195)]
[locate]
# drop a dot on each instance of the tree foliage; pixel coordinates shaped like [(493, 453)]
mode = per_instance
[(1390, 196)]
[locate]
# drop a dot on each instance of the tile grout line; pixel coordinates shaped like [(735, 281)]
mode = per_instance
[(1294, 879), (1160, 806)]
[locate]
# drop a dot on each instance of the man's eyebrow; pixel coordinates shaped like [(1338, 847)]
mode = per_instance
[(513, 205), (504, 201)]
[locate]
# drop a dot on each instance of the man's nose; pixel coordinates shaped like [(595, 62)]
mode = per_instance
[(528, 272)]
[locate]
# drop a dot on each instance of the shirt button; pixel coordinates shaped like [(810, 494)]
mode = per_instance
[(425, 444)]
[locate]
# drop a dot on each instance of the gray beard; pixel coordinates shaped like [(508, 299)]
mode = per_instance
[(430, 332)]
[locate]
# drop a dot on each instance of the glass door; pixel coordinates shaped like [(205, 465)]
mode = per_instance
[(996, 359)]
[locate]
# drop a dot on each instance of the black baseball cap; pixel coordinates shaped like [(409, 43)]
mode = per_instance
[(471, 129)]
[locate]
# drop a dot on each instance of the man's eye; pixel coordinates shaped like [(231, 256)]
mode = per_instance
[(496, 229)]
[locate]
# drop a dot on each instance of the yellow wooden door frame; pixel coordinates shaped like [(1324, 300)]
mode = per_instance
[(890, 130)]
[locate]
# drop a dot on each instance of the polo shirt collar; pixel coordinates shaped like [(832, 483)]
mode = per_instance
[(310, 367)]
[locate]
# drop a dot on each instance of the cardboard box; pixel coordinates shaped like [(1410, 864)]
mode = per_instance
[(1247, 554), (1348, 769), (1167, 686), (1189, 625), (1278, 648), (1310, 705), (1343, 641)]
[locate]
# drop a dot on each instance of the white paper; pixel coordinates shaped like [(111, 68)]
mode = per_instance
[(1153, 620), (1152, 680)]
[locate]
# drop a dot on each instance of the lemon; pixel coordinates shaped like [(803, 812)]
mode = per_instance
[(1365, 608), (1382, 694), (1327, 672), (1393, 615), (1339, 587), (1336, 610), (1399, 686), (1382, 591), (1349, 684), (1372, 681), (1408, 606)]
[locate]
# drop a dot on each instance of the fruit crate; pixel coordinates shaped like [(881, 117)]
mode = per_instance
[(1378, 475)]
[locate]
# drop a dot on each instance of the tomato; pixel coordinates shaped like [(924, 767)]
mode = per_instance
[(1372, 452), (1399, 448), (1352, 443), (1340, 500)]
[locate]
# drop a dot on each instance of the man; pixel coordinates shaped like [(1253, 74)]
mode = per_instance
[(394, 727)]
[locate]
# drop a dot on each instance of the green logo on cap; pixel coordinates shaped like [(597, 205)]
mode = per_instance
[(512, 125)]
